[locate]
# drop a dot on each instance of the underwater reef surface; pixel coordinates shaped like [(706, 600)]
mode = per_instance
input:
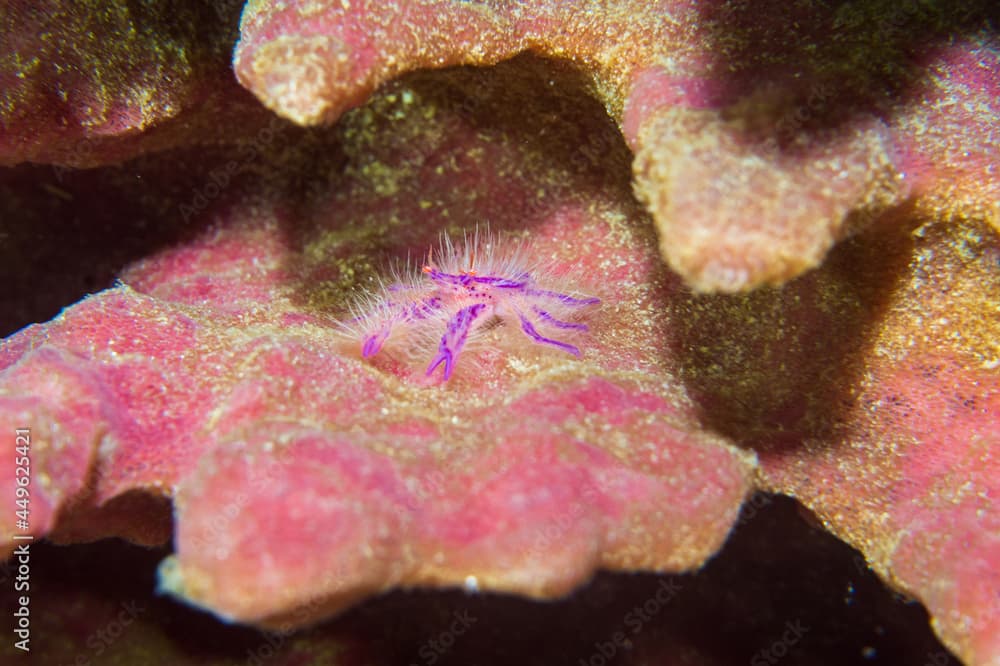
[(789, 212)]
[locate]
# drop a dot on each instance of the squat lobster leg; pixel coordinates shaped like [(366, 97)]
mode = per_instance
[(373, 343), (454, 338), (531, 332), (558, 323), (565, 299), (397, 314)]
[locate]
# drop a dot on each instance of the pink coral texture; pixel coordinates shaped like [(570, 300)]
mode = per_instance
[(789, 215)]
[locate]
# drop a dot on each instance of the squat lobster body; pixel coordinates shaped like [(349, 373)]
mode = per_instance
[(461, 300)]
